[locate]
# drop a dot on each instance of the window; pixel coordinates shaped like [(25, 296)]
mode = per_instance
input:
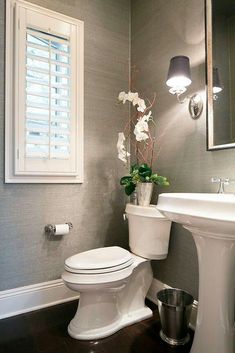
[(44, 95)]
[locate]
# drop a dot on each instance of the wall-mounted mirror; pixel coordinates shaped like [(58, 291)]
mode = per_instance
[(220, 20)]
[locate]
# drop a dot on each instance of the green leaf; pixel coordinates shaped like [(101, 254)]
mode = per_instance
[(129, 188), (144, 165), (142, 179), (153, 177), (160, 180), (134, 167), (145, 171), (125, 180)]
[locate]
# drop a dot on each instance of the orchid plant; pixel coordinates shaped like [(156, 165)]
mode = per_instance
[(143, 144)]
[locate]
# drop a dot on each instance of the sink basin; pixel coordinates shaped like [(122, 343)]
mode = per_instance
[(211, 220), (209, 212)]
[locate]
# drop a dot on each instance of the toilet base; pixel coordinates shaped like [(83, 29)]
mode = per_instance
[(105, 308), (126, 320)]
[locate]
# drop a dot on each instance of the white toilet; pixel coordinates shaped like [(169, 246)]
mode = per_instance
[(114, 282)]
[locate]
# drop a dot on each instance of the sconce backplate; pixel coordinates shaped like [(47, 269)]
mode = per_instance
[(195, 106)]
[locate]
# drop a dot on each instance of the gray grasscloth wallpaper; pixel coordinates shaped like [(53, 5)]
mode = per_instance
[(162, 29), (95, 208)]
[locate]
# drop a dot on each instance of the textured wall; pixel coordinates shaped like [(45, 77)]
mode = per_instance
[(95, 207), (161, 30)]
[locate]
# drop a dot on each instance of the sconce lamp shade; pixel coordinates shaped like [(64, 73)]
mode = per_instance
[(216, 81), (178, 78), (179, 75)]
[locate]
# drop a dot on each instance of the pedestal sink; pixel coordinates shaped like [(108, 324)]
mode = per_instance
[(211, 220)]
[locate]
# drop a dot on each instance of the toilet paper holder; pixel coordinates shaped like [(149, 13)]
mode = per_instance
[(50, 229)]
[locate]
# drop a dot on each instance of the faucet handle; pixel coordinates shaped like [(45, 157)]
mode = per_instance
[(225, 181), (215, 180), (221, 182)]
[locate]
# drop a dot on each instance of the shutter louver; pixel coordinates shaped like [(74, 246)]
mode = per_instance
[(48, 93)]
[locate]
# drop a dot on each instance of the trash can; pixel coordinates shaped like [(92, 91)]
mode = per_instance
[(174, 307)]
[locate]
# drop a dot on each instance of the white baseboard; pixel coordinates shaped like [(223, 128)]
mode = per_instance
[(37, 296), (156, 286)]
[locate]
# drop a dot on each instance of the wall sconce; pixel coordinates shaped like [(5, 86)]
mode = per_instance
[(178, 78), (217, 87)]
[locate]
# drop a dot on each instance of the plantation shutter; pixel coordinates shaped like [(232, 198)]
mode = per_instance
[(47, 120), (48, 96)]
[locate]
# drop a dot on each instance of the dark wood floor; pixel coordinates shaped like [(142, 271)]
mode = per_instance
[(45, 331)]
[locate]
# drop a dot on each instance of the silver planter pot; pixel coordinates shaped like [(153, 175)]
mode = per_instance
[(144, 193)]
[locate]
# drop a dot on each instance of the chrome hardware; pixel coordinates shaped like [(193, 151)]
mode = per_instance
[(125, 216), (50, 229), (195, 106), (70, 224), (222, 182), (134, 200)]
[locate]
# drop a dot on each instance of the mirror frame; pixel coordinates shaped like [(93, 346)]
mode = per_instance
[(209, 82)]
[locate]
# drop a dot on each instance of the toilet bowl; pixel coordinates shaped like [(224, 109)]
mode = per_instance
[(114, 282)]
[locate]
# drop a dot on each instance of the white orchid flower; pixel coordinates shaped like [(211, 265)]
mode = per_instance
[(123, 157), (142, 127), (133, 97), (142, 123), (140, 131), (141, 105), (122, 153), (147, 117), (120, 142), (141, 136), (121, 96), (125, 98), (130, 96)]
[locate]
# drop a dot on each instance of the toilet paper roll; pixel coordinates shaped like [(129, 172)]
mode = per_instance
[(61, 229)]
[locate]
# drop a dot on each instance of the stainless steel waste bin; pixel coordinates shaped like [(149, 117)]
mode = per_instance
[(174, 307)]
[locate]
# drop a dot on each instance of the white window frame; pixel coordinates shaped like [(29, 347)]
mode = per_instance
[(12, 106)]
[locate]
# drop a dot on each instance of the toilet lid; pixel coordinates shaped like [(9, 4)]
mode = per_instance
[(100, 260)]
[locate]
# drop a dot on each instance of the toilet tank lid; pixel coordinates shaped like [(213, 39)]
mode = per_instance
[(99, 258), (149, 211)]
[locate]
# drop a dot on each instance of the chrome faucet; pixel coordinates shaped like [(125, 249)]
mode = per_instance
[(221, 182)]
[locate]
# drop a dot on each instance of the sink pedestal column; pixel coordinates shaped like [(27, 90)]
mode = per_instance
[(215, 319)]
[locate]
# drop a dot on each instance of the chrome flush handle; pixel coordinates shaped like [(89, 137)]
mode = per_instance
[(125, 216), (222, 182)]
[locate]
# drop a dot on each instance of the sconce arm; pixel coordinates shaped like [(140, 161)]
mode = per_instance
[(195, 104), (181, 101)]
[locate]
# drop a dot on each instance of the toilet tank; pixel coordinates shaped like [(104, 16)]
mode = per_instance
[(149, 232)]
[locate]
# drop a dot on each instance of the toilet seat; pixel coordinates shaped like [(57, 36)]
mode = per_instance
[(99, 261), (105, 278), (95, 279)]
